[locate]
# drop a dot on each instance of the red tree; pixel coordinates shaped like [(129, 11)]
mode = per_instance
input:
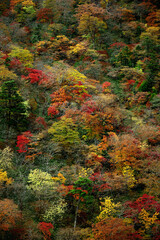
[(36, 76), (22, 141), (45, 229)]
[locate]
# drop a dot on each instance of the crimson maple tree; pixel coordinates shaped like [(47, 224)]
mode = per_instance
[(45, 228), (22, 141)]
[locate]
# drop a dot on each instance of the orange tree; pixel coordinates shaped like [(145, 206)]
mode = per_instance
[(9, 214), (114, 229)]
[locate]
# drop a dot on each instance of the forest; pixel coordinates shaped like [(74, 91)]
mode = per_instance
[(79, 120)]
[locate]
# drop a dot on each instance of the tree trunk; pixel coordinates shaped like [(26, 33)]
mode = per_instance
[(76, 213)]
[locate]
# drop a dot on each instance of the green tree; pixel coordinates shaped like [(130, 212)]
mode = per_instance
[(65, 134), (12, 109), (84, 199), (125, 57), (152, 78)]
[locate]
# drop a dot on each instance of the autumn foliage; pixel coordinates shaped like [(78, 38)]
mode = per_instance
[(45, 229), (22, 141), (9, 214), (45, 15), (36, 76), (114, 228), (79, 120)]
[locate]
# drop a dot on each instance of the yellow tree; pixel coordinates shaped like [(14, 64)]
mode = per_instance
[(4, 180), (6, 74), (108, 208), (92, 21), (24, 55), (6, 156), (41, 184)]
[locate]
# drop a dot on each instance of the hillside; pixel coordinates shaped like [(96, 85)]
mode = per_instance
[(79, 120)]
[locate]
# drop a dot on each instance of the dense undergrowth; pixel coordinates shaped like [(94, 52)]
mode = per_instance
[(79, 120)]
